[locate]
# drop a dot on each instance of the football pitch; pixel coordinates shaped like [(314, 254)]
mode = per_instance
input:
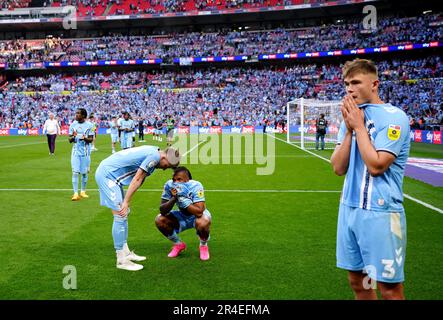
[(272, 237)]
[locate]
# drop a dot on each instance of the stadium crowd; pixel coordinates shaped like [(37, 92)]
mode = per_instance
[(122, 7), (351, 35), (235, 96)]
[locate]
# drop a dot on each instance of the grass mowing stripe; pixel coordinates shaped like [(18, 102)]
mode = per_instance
[(213, 190), (315, 155), (20, 145), (427, 205)]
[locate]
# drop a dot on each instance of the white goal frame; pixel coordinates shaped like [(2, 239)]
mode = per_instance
[(331, 109)]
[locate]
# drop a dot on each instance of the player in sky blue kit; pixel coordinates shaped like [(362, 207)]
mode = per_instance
[(126, 128), (81, 135), (189, 196), (128, 167), (114, 132), (372, 150), (158, 129)]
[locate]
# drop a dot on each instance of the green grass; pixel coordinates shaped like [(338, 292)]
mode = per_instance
[(425, 150), (263, 245)]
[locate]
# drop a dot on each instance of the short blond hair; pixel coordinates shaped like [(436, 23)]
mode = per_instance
[(173, 156), (359, 66)]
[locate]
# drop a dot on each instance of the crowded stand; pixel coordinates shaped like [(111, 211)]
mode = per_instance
[(207, 97), (125, 7), (12, 4), (391, 31)]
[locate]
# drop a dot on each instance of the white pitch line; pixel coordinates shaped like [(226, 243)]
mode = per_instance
[(407, 196), (295, 146), (207, 190), (22, 144), (190, 150), (427, 205)]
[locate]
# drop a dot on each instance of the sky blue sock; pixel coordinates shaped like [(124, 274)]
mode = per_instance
[(119, 231), (75, 182), (174, 237), (84, 181), (126, 230)]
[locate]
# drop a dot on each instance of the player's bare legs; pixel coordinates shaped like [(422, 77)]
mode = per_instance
[(167, 226), (125, 257), (357, 280), (202, 225), (391, 291)]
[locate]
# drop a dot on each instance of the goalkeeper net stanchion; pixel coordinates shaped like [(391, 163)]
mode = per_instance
[(302, 115)]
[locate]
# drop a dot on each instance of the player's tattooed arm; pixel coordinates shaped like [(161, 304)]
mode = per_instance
[(167, 205), (197, 209)]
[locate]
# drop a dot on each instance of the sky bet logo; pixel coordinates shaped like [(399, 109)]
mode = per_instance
[(429, 137)]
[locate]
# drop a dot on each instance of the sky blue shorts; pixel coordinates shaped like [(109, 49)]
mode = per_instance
[(372, 241), (126, 141), (80, 164), (114, 138), (111, 194), (187, 222)]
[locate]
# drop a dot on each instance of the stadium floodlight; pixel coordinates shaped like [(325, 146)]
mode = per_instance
[(301, 119)]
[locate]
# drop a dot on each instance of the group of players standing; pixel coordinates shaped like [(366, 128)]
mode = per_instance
[(123, 130)]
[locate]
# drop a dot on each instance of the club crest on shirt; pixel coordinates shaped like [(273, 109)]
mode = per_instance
[(394, 132), (392, 109)]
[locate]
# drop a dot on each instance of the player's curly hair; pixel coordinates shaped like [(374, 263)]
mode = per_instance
[(183, 169)]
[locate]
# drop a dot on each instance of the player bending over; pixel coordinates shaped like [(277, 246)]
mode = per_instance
[(128, 168)]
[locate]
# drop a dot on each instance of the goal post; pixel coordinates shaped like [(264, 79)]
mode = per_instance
[(302, 115)]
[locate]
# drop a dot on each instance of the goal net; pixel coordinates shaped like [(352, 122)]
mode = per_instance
[(302, 115)]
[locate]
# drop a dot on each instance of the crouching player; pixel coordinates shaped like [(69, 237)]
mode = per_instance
[(189, 196)]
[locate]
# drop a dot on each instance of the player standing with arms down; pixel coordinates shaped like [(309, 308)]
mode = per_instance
[(372, 150), (126, 129), (94, 130), (158, 127), (114, 132)]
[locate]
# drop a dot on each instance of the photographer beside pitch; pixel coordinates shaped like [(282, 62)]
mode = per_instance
[(189, 196), (372, 150), (320, 125)]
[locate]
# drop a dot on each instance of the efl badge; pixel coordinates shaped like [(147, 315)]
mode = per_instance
[(394, 132), (151, 164)]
